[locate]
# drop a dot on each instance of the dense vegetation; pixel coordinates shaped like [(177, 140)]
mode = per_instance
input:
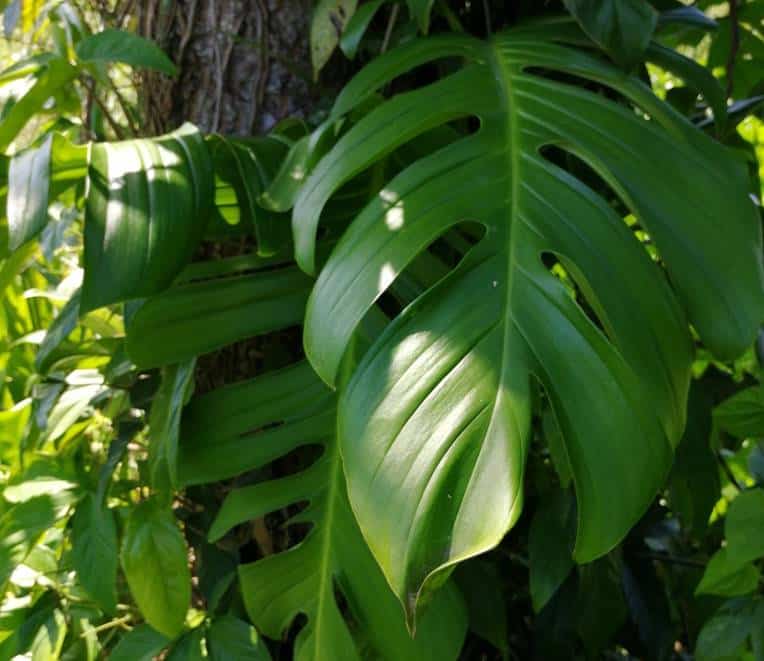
[(465, 365)]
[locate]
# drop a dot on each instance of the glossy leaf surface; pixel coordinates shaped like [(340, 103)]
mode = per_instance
[(434, 423)]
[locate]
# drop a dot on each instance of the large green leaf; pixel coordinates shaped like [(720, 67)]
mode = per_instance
[(292, 409), (434, 425), (148, 202), (155, 560)]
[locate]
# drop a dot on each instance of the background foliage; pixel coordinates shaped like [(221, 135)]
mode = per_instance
[(164, 496)]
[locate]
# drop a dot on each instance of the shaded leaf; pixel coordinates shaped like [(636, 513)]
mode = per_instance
[(480, 584), (550, 546)]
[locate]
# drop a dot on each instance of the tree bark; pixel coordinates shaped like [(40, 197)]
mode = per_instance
[(243, 64)]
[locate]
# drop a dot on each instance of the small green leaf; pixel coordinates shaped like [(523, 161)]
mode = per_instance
[(140, 644), (622, 28), (155, 561), (231, 639), (28, 186), (120, 46), (329, 20), (726, 578), (95, 555)]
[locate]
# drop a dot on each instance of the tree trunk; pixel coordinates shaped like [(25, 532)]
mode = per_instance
[(243, 64)]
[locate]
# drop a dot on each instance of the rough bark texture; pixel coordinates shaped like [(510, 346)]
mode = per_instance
[(244, 64)]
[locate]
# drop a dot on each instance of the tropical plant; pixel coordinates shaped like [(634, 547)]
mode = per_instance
[(527, 274)]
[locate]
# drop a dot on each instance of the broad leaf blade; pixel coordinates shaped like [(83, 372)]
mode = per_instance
[(434, 423)]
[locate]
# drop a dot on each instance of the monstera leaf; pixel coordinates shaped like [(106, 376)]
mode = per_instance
[(434, 424), (247, 425)]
